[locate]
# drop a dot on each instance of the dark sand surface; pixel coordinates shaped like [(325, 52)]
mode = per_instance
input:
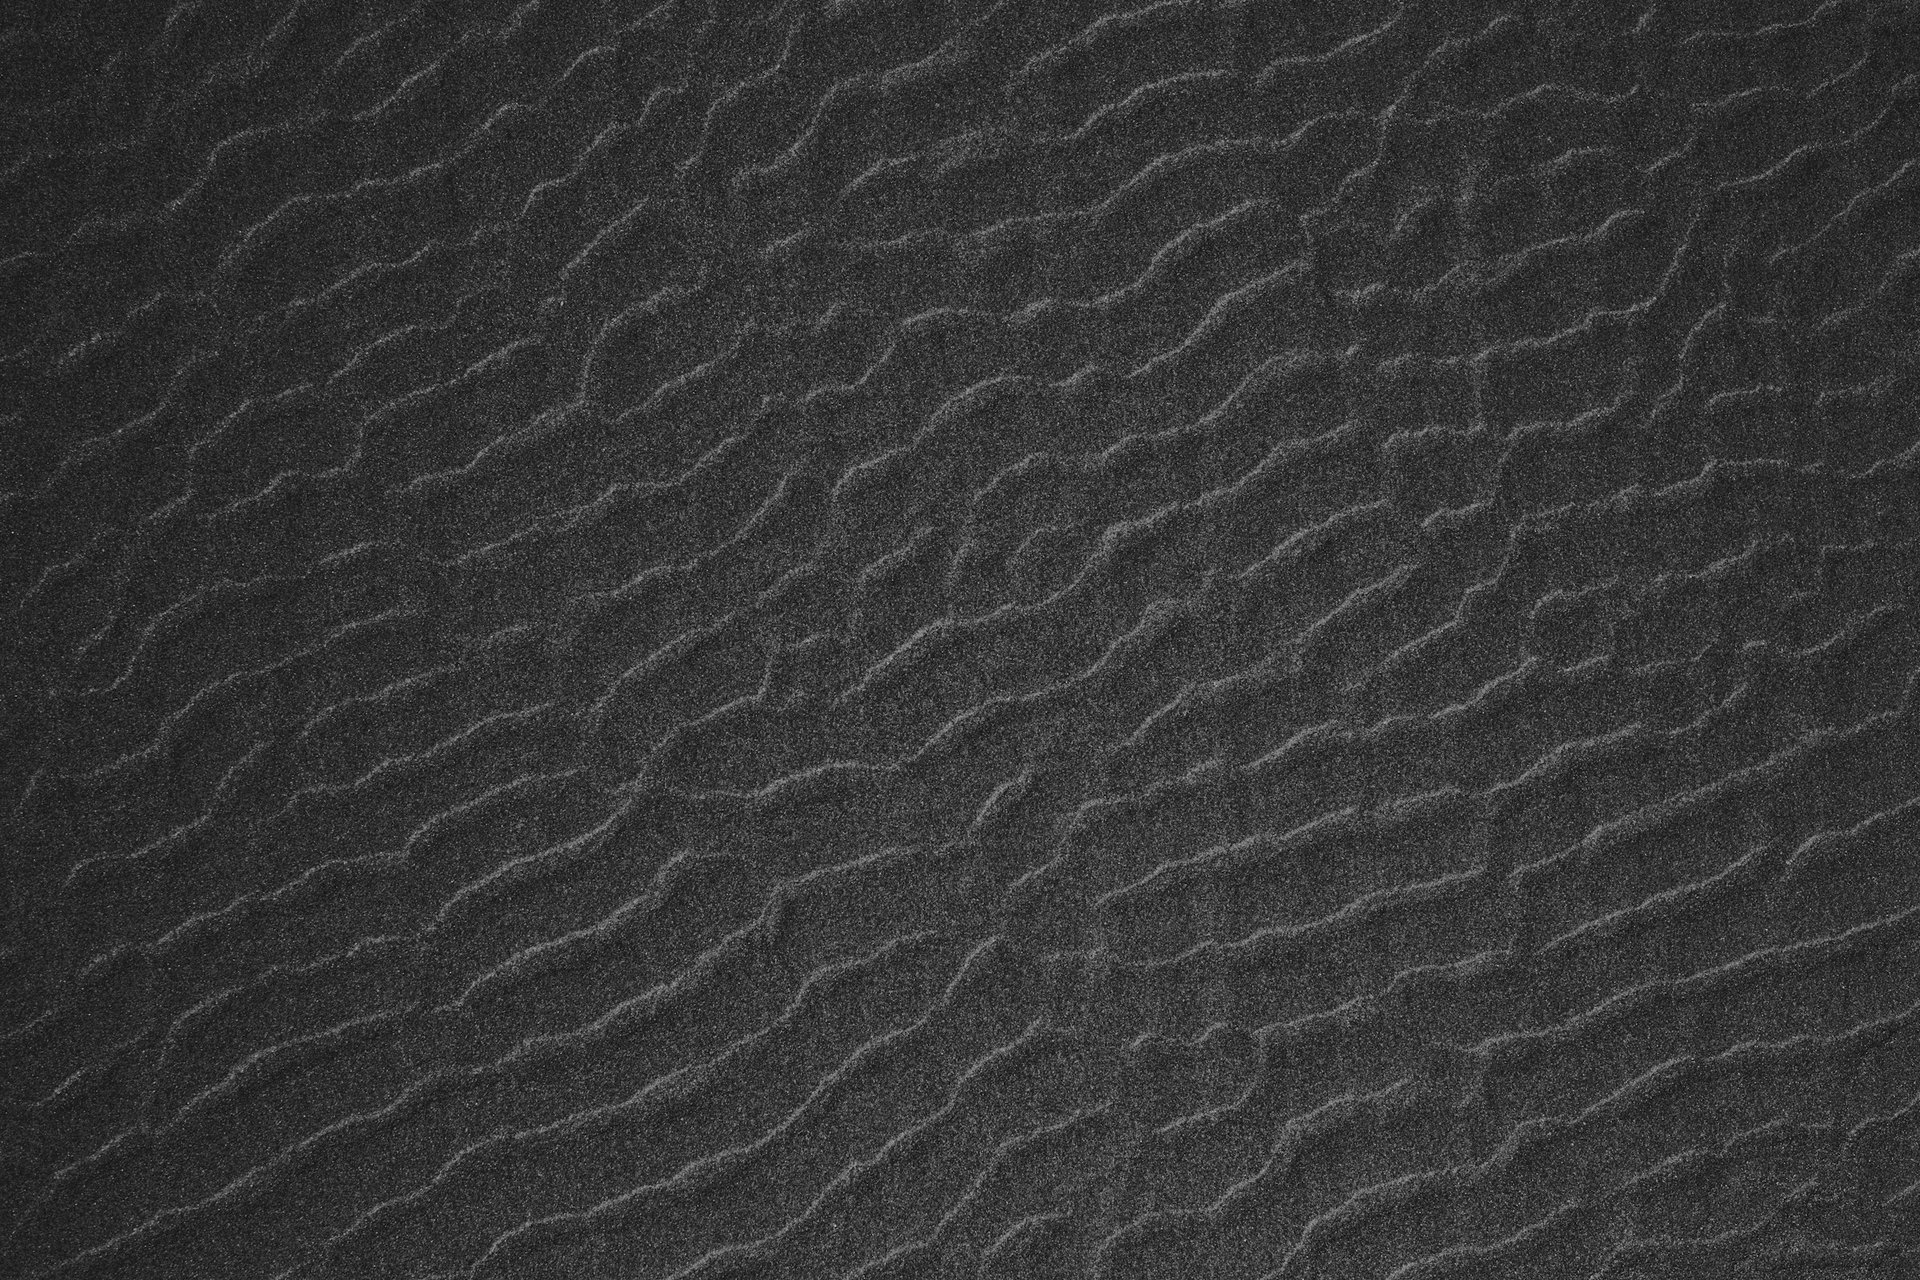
[(1214, 640)]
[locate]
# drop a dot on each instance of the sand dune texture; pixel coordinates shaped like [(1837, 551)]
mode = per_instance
[(1248, 639)]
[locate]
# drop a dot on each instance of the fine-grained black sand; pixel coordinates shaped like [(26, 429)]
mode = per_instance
[(894, 638)]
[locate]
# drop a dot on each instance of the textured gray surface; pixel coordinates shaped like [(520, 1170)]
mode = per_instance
[(1218, 640)]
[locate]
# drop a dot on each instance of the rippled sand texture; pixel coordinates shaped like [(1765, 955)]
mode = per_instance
[(884, 639)]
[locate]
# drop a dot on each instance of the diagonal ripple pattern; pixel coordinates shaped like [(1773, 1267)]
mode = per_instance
[(891, 638)]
